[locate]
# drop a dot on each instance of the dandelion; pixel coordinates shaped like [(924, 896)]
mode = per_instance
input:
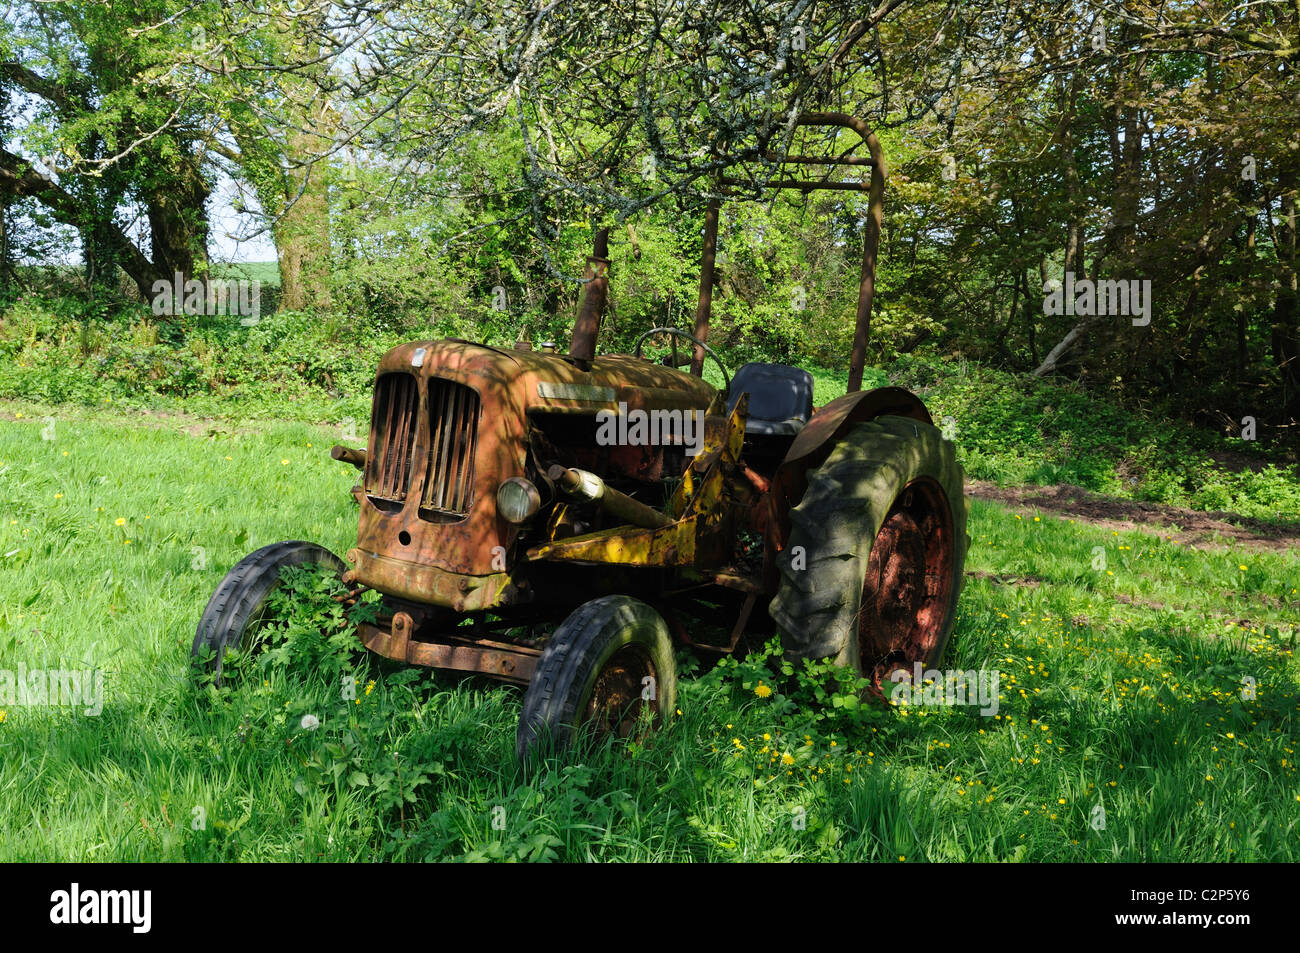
[(787, 759), (120, 521), (762, 691), (284, 463), (5, 714)]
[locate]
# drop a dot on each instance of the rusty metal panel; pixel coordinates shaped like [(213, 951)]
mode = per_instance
[(830, 422), (420, 582), (499, 660)]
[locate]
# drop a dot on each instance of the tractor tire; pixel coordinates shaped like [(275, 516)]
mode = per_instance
[(238, 603), (593, 676), (873, 566)]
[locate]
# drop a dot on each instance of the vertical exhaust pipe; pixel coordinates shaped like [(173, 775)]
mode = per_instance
[(583, 347)]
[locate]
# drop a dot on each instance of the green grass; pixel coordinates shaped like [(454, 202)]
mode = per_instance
[(267, 272), (1120, 686)]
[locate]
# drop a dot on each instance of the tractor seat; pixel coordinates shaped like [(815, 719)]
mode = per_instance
[(780, 398)]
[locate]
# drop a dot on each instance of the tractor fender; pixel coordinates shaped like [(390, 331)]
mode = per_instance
[(814, 443)]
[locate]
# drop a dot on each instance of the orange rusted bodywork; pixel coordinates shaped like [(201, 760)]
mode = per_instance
[(460, 564)]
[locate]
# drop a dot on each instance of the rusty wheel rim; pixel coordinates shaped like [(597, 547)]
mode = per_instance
[(615, 705), (908, 585)]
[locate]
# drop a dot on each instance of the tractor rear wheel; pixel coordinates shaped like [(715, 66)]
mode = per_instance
[(238, 606), (874, 563), (607, 664)]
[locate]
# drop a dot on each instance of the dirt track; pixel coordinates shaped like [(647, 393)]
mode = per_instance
[(1189, 527)]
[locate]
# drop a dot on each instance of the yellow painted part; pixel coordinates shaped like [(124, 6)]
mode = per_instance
[(671, 545), (736, 429), (698, 503)]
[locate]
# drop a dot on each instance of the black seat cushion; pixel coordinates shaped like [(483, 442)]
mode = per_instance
[(780, 397)]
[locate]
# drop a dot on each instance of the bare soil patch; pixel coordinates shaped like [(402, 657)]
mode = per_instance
[(1215, 530)]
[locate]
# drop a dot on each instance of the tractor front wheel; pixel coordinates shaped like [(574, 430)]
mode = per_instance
[(238, 606), (874, 563), (606, 666)]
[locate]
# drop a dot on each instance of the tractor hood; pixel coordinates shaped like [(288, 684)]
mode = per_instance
[(538, 380)]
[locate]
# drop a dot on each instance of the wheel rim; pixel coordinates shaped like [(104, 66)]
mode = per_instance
[(615, 704), (908, 585)]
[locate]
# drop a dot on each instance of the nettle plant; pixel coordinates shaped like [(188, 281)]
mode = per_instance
[(802, 692), (313, 631)]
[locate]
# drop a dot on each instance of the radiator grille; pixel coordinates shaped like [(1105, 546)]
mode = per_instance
[(394, 418), (453, 434)]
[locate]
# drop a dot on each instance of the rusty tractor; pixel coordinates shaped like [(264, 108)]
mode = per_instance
[(560, 520)]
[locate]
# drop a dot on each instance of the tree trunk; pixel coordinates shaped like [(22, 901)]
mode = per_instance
[(178, 223), (302, 238), (1286, 319)]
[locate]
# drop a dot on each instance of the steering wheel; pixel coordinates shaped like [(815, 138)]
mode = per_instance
[(726, 378)]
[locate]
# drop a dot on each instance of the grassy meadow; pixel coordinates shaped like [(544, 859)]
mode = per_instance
[(1148, 707)]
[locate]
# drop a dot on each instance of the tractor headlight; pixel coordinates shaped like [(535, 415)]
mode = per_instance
[(518, 500)]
